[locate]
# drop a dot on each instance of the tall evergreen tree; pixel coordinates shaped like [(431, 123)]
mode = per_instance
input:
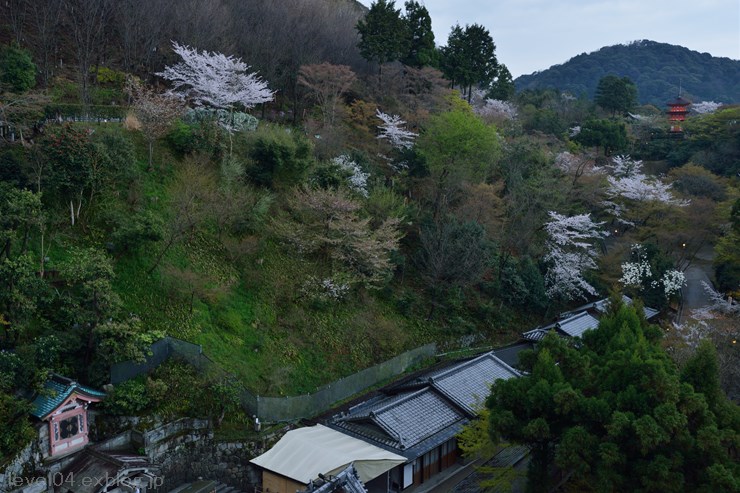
[(614, 414), (420, 48), (383, 35), (469, 57), (616, 94), (503, 86)]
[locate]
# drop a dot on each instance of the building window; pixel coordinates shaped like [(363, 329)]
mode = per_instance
[(69, 427)]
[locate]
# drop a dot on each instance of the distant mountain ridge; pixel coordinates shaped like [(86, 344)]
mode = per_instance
[(656, 68)]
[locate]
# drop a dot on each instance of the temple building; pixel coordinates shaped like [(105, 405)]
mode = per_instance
[(63, 405), (677, 110)]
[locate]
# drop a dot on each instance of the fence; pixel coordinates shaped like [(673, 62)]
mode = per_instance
[(273, 408)]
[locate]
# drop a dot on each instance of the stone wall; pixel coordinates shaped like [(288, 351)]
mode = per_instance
[(187, 451)]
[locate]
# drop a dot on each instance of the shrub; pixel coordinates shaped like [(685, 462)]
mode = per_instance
[(17, 69)]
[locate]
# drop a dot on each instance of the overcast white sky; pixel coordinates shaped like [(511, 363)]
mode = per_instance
[(533, 35)]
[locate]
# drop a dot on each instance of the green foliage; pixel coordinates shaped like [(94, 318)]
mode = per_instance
[(727, 255), (615, 94), (383, 33), (421, 50), (469, 57), (128, 398), (459, 145), (615, 413), (182, 138), (609, 135), (502, 87), (16, 431), (17, 69), (109, 76), (279, 157), (713, 142)]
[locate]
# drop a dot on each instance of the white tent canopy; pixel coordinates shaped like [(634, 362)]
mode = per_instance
[(305, 452)]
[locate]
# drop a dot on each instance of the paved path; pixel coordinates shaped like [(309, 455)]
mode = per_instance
[(693, 293)]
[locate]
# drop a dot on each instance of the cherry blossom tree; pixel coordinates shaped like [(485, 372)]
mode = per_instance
[(216, 80), (705, 107), (638, 274), (497, 109), (628, 184), (393, 131), (356, 177), (576, 165), (155, 112), (571, 253)]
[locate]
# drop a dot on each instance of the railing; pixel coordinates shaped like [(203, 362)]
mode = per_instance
[(272, 409)]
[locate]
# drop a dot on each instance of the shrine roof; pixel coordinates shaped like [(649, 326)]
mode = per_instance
[(678, 101), (56, 390)]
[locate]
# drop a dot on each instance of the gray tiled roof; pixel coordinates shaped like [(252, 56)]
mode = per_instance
[(405, 420), (576, 325), (510, 354), (427, 411), (469, 383)]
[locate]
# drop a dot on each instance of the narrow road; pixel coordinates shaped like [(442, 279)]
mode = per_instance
[(693, 293)]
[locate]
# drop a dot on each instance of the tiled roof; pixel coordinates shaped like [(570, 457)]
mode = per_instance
[(469, 383), (510, 354), (428, 410), (403, 421), (576, 325), (56, 390), (347, 481)]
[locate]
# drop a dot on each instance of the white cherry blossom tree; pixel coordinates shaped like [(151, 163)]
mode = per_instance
[(392, 130), (638, 274), (628, 185), (215, 80), (705, 107), (571, 253)]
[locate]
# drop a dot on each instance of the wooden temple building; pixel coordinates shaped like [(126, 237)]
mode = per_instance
[(63, 405), (678, 108)]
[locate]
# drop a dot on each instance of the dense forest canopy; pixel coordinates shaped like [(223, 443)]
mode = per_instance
[(658, 70)]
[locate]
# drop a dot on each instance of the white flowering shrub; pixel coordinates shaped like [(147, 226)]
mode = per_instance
[(392, 130), (672, 281), (357, 178), (325, 290), (634, 273), (637, 273)]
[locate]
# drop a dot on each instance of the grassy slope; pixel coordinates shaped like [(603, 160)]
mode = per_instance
[(251, 320)]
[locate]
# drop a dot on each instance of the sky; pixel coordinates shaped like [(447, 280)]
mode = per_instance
[(533, 35)]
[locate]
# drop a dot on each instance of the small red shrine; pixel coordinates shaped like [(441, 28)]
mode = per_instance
[(63, 404), (677, 111)]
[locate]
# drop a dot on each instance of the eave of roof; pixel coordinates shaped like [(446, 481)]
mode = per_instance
[(57, 390)]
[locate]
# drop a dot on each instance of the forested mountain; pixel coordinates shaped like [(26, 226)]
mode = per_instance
[(656, 68)]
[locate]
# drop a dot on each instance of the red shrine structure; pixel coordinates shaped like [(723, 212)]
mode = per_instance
[(63, 405), (677, 111)]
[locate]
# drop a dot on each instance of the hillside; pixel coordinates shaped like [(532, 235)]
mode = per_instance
[(656, 68)]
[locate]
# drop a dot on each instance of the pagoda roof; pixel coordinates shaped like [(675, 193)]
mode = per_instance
[(58, 389), (678, 101)]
